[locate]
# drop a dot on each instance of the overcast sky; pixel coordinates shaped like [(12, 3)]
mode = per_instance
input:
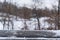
[(47, 3)]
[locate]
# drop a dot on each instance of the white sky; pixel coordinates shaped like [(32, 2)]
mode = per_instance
[(47, 3)]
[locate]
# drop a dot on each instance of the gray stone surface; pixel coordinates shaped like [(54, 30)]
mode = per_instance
[(16, 33)]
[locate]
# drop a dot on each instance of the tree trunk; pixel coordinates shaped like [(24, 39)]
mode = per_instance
[(38, 23), (58, 15), (35, 14), (25, 27)]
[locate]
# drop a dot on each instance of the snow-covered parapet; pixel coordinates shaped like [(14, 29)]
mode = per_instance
[(26, 34)]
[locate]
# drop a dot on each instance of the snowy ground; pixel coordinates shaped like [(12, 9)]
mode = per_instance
[(10, 38), (32, 23)]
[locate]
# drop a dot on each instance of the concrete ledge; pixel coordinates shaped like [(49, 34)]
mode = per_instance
[(17, 33)]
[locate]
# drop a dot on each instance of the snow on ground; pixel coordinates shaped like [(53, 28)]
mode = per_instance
[(1, 26), (15, 38), (32, 23), (44, 24), (57, 32)]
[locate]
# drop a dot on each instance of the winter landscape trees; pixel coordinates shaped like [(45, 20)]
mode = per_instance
[(8, 10)]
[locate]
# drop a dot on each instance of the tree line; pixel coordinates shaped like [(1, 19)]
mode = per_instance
[(27, 13)]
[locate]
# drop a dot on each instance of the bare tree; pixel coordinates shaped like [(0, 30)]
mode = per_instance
[(58, 15), (25, 17), (7, 8), (35, 13)]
